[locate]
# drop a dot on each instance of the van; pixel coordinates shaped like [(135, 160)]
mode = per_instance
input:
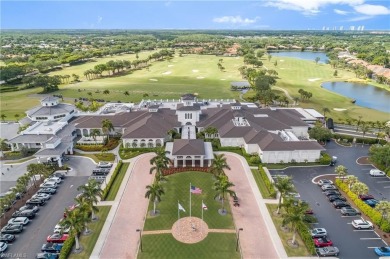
[(377, 172)]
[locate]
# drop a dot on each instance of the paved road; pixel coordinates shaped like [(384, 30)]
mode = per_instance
[(352, 243)]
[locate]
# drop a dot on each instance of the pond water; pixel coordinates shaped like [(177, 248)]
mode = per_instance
[(365, 95), (306, 55)]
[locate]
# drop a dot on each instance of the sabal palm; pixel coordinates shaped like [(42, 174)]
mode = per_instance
[(351, 179), (341, 171), (359, 188), (222, 187), (154, 192), (76, 222), (94, 133), (284, 185), (219, 164), (85, 210), (90, 193), (107, 126), (295, 216)]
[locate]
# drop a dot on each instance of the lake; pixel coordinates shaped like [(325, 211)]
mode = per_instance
[(365, 95), (306, 55)]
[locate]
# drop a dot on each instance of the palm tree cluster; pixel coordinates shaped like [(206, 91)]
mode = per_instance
[(107, 127), (218, 165), (305, 95), (77, 219), (222, 186), (284, 185)]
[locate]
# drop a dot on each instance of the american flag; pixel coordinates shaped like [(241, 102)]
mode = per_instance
[(195, 190)]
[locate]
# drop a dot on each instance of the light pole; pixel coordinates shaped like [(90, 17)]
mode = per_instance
[(238, 237), (140, 238)]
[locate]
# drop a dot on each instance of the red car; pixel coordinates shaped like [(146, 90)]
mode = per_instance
[(364, 197), (57, 238), (322, 242), (309, 212)]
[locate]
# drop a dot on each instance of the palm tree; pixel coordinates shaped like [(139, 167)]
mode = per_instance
[(325, 110), (284, 185), (341, 171), (222, 187), (106, 92), (364, 127), (358, 122), (160, 159), (126, 93), (3, 116), (94, 133), (359, 188), (23, 181), (296, 217), (84, 209), (154, 192), (90, 193), (75, 221), (107, 126), (219, 164), (351, 179), (17, 117)]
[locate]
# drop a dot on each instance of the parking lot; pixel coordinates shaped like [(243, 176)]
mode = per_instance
[(352, 243)]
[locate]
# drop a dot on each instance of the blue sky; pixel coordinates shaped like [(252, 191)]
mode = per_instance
[(246, 15)]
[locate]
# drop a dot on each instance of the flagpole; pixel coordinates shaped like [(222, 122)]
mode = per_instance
[(190, 200), (178, 216), (201, 225)]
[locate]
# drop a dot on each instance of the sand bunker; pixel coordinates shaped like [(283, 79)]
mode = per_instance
[(223, 79), (200, 77), (282, 60), (195, 71), (153, 79), (167, 73), (339, 109), (282, 68), (313, 79), (170, 65)]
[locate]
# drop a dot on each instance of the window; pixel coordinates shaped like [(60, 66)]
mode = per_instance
[(188, 116)]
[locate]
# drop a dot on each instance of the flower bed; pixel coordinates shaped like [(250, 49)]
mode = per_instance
[(170, 171)]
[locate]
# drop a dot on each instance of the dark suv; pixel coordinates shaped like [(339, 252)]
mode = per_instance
[(33, 201), (30, 214)]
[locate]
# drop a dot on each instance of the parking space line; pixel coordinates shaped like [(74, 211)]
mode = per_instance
[(376, 234), (385, 242), (370, 238), (386, 186), (387, 181), (363, 230)]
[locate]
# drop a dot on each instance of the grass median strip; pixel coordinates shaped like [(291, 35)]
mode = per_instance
[(117, 182), (261, 185), (88, 242)]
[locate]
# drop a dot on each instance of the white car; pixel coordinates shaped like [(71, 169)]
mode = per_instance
[(104, 164), (324, 181), (377, 172), (19, 221), (60, 229), (326, 187), (3, 246), (49, 185), (42, 196), (362, 224), (53, 179)]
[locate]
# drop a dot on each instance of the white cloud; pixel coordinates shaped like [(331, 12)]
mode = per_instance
[(341, 12), (309, 7), (359, 18), (235, 20), (99, 19), (372, 10)]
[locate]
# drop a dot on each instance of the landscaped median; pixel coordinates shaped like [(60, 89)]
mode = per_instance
[(264, 184), (374, 215), (112, 187)]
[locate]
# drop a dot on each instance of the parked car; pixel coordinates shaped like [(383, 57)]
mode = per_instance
[(371, 202), (382, 251), (7, 238), (104, 164), (42, 196), (328, 251), (338, 204), (60, 229), (57, 238), (318, 232), (324, 181), (54, 179), (333, 198), (24, 213), (36, 201), (362, 224), (35, 209), (327, 187), (322, 242), (377, 172), (47, 256), (70, 208), (19, 221), (364, 197), (349, 211), (60, 174), (332, 192), (49, 185), (51, 247), (101, 171), (47, 190), (3, 246), (12, 229)]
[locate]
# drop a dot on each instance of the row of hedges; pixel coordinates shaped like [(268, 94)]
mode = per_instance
[(112, 179), (267, 182), (67, 247), (304, 232), (374, 215), (109, 145), (127, 153), (349, 139), (170, 171)]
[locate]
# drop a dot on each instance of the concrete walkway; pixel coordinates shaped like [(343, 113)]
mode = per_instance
[(118, 238), (259, 239)]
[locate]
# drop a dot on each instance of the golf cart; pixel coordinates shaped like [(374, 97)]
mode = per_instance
[(333, 161)]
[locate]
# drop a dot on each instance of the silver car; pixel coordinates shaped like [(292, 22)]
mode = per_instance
[(328, 251)]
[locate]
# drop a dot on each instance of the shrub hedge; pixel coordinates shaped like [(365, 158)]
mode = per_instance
[(325, 158), (67, 247), (267, 182), (112, 179), (304, 232), (374, 215), (349, 139)]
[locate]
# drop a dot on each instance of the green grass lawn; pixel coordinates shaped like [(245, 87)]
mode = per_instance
[(177, 189), (295, 74), (12, 103), (260, 184), (284, 236), (88, 242), (214, 246), (109, 157), (117, 182)]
